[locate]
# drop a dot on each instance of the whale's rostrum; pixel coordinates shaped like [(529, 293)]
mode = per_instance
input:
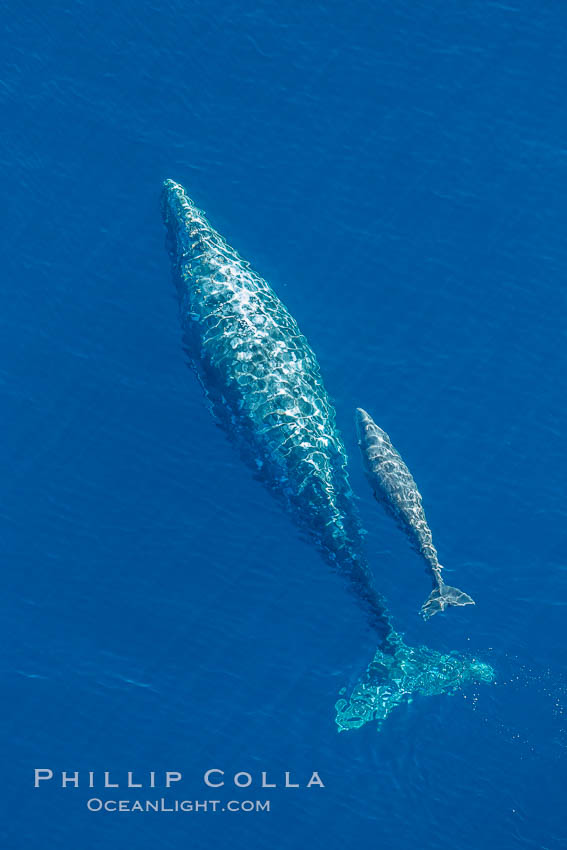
[(265, 388), (394, 487)]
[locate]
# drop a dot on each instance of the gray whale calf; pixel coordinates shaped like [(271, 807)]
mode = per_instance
[(394, 486), (265, 388)]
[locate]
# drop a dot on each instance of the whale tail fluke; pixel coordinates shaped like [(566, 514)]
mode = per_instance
[(442, 597), (399, 672)]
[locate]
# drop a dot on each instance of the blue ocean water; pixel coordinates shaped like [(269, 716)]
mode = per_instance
[(397, 172)]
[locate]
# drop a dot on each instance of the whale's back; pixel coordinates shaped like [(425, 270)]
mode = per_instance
[(262, 377)]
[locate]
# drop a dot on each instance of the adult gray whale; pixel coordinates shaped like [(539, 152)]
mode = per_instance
[(264, 385), (394, 486)]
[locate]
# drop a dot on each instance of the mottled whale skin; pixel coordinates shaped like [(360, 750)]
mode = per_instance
[(264, 383), (264, 386), (394, 486)]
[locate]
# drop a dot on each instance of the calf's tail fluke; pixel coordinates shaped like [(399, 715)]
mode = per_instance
[(443, 596), (397, 673)]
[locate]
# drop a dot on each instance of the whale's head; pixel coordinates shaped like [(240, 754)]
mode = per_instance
[(173, 204), (366, 427), (362, 420), (182, 219), (173, 199)]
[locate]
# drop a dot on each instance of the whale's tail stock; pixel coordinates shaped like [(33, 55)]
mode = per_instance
[(397, 673), (443, 596)]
